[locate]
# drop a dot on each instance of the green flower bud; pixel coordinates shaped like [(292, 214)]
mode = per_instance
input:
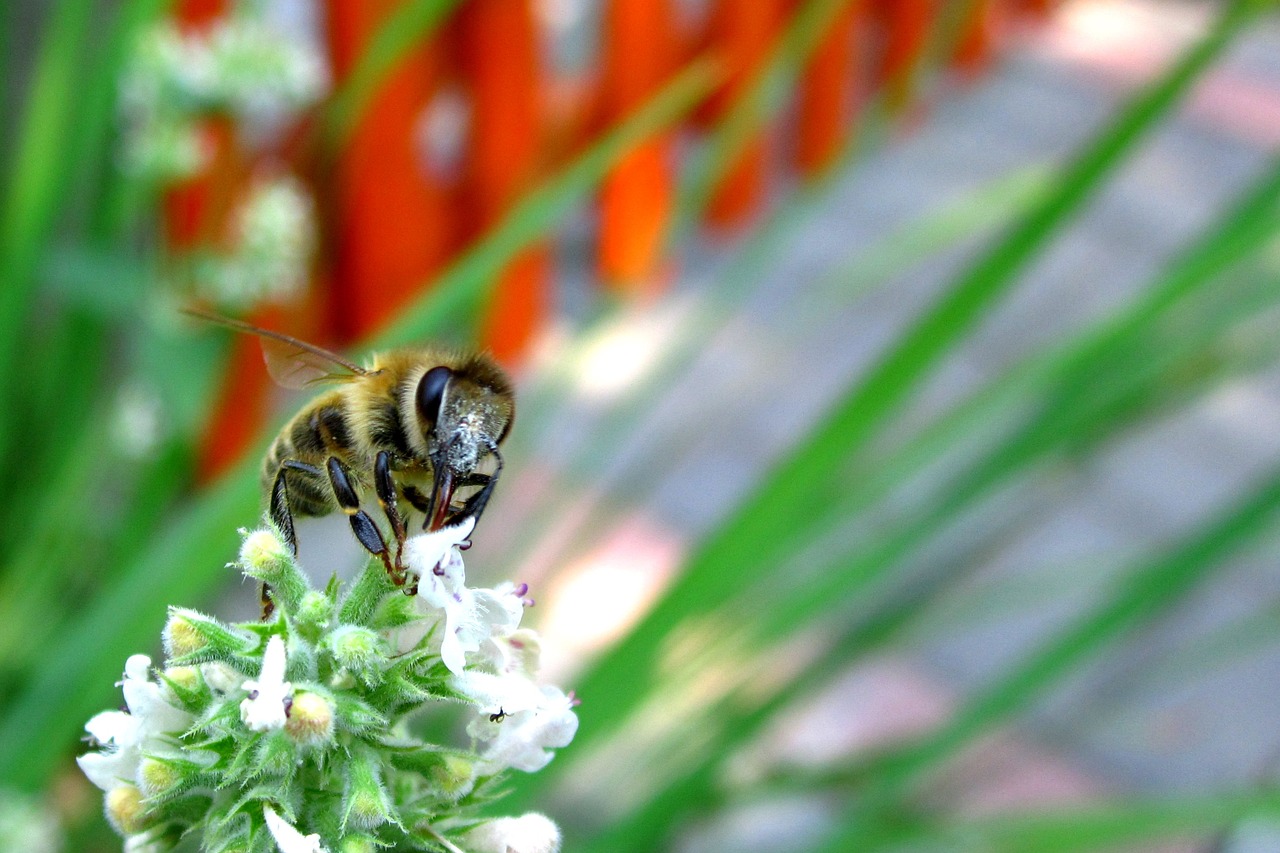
[(126, 811), (191, 637), (186, 677), (181, 637), (454, 776), (359, 844), (157, 776), (314, 612), (265, 557), (310, 719), (365, 804), (358, 650)]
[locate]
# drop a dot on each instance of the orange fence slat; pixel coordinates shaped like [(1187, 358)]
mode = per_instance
[(742, 33), (903, 26), (392, 219), (640, 48), (977, 38), (503, 71), (825, 107)]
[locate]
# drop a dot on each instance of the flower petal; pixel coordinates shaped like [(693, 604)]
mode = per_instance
[(289, 839)]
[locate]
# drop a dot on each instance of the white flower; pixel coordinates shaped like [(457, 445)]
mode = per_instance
[(471, 617), (522, 740), (425, 552), (263, 709), (147, 842), (275, 236), (148, 726), (289, 839), (503, 694), (529, 833), (261, 73)]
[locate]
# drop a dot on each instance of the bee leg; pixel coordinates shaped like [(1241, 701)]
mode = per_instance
[(475, 504), (386, 489), (362, 525), (418, 500), (279, 510), (282, 518)]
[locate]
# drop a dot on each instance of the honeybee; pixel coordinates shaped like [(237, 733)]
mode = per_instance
[(415, 425)]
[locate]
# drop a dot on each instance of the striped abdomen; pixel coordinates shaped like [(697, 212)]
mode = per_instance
[(317, 432)]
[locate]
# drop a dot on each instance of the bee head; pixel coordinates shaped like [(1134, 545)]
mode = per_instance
[(464, 411)]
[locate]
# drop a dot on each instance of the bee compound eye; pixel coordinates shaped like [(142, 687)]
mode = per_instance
[(430, 394)]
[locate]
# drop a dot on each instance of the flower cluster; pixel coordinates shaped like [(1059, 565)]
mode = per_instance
[(297, 733), (242, 67), (269, 253)]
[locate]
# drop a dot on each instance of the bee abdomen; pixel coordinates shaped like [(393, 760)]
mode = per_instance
[(309, 494)]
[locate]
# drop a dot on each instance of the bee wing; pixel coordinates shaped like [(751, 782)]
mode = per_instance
[(290, 362)]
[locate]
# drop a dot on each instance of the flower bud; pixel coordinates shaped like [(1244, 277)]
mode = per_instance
[(529, 833), (125, 810), (186, 677), (310, 719), (454, 777), (358, 650), (156, 776), (365, 802), (314, 612), (265, 557), (221, 678), (190, 637), (181, 637), (359, 844)]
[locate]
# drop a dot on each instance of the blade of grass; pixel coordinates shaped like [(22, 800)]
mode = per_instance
[(771, 518), (864, 270), (35, 177), (860, 628), (66, 125), (409, 24)]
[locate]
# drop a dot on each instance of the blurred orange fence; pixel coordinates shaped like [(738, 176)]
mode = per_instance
[(469, 119)]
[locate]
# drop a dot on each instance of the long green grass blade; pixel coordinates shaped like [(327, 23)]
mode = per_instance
[(65, 129), (1096, 366), (35, 179), (985, 208), (734, 722), (408, 25)]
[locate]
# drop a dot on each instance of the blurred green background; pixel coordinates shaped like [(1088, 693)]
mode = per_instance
[(931, 507)]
